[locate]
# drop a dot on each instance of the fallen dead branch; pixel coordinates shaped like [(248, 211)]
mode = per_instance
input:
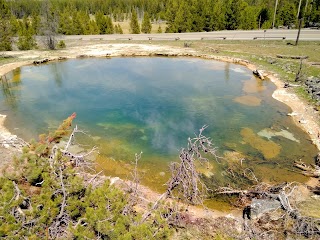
[(291, 57), (299, 225), (308, 170)]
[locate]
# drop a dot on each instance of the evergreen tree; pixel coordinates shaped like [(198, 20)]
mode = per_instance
[(104, 23), (159, 29), (116, 30), (183, 19), (109, 29), (265, 18), (233, 14), (134, 24), (46, 197), (248, 19), (26, 39), (15, 25), (101, 22), (180, 15), (65, 23), (35, 23), (146, 24), (120, 29), (93, 27), (85, 22), (218, 21), (287, 14), (77, 24), (5, 27)]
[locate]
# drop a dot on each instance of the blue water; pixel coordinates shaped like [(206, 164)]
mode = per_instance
[(153, 105)]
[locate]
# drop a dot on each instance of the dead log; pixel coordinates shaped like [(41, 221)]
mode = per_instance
[(291, 57), (37, 62), (310, 171), (258, 73)]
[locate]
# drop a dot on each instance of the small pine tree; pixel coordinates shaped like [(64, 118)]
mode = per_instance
[(93, 27), (109, 29), (134, 24), (26, 39), (120, 29), (35, 23), (146, 24), (5, 27), (159, 29), (116, 30), (61, 44)]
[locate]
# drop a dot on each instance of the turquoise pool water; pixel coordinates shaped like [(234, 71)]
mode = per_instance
[(153, 105)]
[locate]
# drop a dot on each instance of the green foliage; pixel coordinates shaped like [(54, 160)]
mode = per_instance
[(5, 27), (118, 29), (181, 15), (104, 23), (146, 24), (134, 24), (26, 40), (159, 29), (47, 198), (287, 14), (61, 44)]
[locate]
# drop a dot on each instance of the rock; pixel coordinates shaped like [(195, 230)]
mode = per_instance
[(261, 206), (113, 180), (313, 87), (292, 114), (271, 61)]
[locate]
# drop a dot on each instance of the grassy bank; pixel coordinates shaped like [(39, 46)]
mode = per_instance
[(264, 55), (259, 52)]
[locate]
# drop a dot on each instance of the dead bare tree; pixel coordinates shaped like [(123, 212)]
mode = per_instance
[(185, 183), (59, 226), (76, 160), (132, 187), (300, 75), (49, 25)]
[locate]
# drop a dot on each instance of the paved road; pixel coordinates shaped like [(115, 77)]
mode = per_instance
[(306, 34)]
